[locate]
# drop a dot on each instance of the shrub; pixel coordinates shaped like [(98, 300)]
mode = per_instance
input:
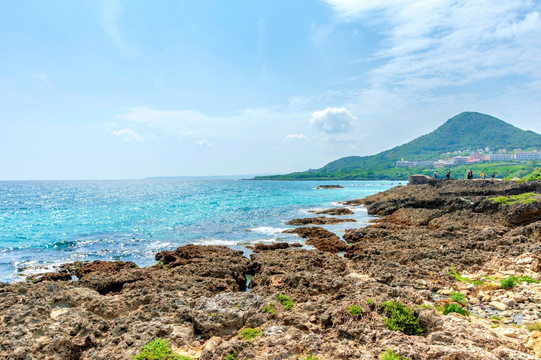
[(270, 309), (534, 175), (231, 356), (285, 301), (458, 297), (509, 283), (354, 310), (391, 355), (401, 318), (250, 334), (158, 349), (454, 308)]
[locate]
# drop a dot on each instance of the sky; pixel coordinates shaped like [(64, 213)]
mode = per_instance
[(134, 89)]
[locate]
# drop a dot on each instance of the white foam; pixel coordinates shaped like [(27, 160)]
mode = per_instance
[(268, 230), (217, 242)]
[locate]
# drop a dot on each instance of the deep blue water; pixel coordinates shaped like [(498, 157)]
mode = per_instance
[(46, 223)]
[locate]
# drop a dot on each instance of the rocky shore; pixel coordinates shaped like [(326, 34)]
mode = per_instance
[(470, 249)]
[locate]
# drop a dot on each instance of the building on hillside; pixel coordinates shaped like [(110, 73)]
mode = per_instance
[(527, 155), (475, 155), (501, 157), (442, 163), (502, 151), (459, 160), (414, 163)]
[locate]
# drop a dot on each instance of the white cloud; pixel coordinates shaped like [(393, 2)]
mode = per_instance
[(110, 15), (295, 138), (430, 44), (203, 143), (332, 120), (127, 134)]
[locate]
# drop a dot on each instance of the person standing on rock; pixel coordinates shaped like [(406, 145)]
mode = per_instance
[(469, 174), (435, 174), (493, 176), (448, 175), (482, 174)]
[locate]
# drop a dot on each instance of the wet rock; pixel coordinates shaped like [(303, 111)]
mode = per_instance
[(329, 187), (266, 247), (334, 211), (318, 220), (320, 238), (51, 276)]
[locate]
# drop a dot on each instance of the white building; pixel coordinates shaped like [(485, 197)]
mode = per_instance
[(527, 155), (501, 157)]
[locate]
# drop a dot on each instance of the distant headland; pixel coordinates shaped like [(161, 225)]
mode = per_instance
[(469, 140)]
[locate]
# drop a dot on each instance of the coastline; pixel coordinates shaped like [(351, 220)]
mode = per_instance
[(430, 241)]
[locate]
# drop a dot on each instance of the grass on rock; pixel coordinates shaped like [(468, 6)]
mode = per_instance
[(286, 301), (354, 310), (526, 198), (270, 309), (250, 334), (158, 349), (391, 355), (458, 297), (401, 318), (454, 308)]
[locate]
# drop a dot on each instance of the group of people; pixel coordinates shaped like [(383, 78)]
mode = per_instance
[(469, 175)]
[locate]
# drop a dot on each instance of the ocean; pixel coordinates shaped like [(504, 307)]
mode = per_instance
[(47, 223)]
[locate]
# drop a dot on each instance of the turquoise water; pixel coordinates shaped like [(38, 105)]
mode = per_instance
[(46, 223)]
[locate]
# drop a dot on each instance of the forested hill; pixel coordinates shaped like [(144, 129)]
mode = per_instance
[(468, 130)]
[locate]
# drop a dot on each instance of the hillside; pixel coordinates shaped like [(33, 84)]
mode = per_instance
[(468, 130)]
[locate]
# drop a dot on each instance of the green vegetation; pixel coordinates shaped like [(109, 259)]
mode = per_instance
[(526, 198), (250, 334), (401, 318), (458, 297), (158, 349), (461, 278), (354, 310), (534, 175), (286, 301), (509, 282), (270, 309), (449, 308), (512, 281), (162, 264), (308, 356), (467, 130), (527, 280), (391, 355), (534, 326), (231, 356)]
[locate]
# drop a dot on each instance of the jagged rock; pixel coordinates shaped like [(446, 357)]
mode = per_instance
[(322, 239)]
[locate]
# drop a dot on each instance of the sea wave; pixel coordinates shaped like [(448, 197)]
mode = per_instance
[(268, 230), (218, 242)]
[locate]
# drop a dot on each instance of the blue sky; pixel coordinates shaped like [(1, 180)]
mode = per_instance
[(133, 89)]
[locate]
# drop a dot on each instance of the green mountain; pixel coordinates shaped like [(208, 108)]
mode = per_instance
[(468, 130)]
